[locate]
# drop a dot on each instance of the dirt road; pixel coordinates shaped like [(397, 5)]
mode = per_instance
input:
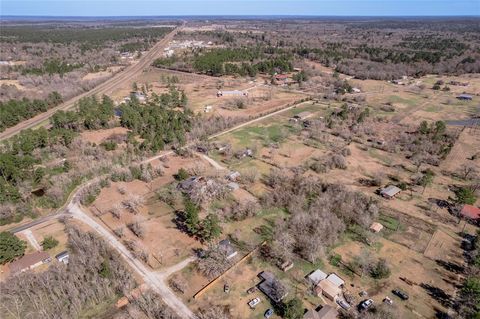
[(155, 280), (105, 88)]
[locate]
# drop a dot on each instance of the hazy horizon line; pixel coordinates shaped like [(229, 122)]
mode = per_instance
[(229, 16)]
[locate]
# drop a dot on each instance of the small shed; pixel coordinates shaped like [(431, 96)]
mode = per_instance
[(465, 97), (336, 280), (233, 176), (63, 257), (316, 276), (328, 289), (376, 227), (390, 191), (286, 266)]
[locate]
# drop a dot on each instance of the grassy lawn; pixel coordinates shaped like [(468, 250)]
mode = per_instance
[(378, 155), (389, 222)]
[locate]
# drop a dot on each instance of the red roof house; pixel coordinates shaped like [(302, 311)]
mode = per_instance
[(471, 212), (281, 76)]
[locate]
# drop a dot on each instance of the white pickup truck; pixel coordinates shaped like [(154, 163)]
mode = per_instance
[(252, 303)]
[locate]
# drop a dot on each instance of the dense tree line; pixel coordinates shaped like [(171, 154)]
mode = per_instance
[(13, 112), (161, 121), (414, 56), (227, 61), (94, 274), (91, 114), (94, 36), (53, 66), (234, 61), (157, 122)]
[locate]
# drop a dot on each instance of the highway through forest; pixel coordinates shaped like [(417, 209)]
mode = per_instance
[(104, 88)]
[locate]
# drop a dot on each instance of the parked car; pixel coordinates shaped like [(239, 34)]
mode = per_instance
[(268, 313), (401, 294), (254, 302), (342, 303), (251, 290), (364, 305), (226, 288)]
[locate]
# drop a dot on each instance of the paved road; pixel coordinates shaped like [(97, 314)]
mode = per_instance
[(105, 88), (155, 280)]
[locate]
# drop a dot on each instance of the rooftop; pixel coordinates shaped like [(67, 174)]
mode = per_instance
[(334, 279), (317, 276), (390, 191), (271, 286), (28, 261), (470, 211)]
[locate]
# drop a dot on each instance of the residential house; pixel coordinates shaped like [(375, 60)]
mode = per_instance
[(190, 183), (228, 248), (281, 79), (271, 286), (328, 289), (326, 312), (390, 191), (29, 261)]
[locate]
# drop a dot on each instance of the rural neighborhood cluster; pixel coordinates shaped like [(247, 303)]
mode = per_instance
[(240, 168)]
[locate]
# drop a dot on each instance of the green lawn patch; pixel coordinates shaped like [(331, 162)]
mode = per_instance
[(389, 222)]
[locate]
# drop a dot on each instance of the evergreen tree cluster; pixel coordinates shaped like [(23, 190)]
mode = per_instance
[(13, 112)]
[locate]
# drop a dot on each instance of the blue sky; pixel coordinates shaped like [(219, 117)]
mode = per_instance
[(240, 7)]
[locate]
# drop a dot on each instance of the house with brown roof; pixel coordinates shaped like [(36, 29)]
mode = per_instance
[(29, 261), (327, 312), (328, 289)]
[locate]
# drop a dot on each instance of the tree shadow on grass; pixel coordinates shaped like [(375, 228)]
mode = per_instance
[(439, 295), (450, 266)]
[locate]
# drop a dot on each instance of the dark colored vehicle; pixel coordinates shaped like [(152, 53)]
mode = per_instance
[(268, 313), (364, 305), (401, 294)]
